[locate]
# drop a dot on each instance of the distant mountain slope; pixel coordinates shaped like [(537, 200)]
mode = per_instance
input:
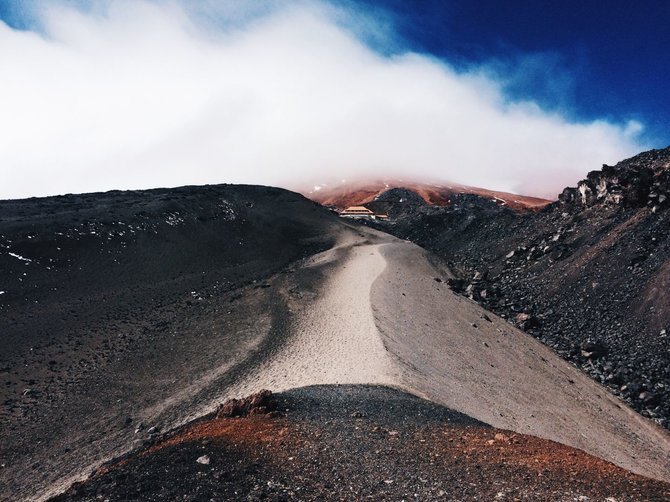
[(351, 193), (588, 274)]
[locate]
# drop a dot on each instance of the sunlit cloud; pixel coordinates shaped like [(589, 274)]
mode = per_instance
[(146, 94)]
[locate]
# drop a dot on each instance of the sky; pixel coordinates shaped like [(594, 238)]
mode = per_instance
[(521, 96)]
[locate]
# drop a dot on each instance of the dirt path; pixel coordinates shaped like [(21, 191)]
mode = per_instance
[(370, 311), (333, 339), (381, 317)]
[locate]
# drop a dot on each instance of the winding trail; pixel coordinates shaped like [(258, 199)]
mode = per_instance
[(334, 339), (381, 317)]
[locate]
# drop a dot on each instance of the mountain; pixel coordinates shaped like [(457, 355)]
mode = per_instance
[(587, 274), (140, 329), (351, 193)]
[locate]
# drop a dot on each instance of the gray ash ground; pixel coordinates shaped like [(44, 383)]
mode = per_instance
[(588, 275), (112, 303), (357, 443)]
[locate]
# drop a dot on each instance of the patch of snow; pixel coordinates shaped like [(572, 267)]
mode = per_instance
[(19, 257), (227, 210), (174, 219), (583, 190)]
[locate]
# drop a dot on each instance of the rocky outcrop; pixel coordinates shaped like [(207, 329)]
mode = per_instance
[(399, 202), (260, 403), (643, 180), (587, 275)]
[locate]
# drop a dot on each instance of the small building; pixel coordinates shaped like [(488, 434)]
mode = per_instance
[(357, 212), (361, 212)]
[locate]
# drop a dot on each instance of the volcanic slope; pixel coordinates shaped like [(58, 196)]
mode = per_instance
[(358, 192), (369, 309), (118, 307), (357, 442), (384, 315), (587, 275)]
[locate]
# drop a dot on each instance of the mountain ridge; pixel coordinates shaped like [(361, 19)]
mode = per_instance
[(362, 192)]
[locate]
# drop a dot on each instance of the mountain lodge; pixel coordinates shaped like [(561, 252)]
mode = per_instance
[(362, 212)]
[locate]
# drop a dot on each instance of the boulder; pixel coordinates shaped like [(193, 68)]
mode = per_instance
[(261, 403), (593, 349)]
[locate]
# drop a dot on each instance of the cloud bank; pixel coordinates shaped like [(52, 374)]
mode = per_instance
[(139, 95)]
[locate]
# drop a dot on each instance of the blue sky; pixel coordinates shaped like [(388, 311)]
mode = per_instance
[(517, 96), (589, 58)]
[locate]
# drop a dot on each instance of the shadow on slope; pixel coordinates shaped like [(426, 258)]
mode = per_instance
[(114, 303)]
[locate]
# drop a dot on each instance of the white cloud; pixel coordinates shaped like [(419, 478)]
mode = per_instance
[(137, 95)]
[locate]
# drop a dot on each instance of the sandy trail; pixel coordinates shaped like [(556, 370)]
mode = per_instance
[(369, 311), (380, 317), (334, 339)]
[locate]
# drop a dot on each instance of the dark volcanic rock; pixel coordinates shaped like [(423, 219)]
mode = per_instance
[(643, 180), (113, 302), (261, 403), (594, 349), (397, 202), (588, 275)]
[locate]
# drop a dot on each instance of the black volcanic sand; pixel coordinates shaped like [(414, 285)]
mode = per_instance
[(133, 309), (356, 443)]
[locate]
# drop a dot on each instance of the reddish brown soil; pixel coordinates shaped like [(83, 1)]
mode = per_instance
[(323, 450), (362, 192), (456, 447)]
